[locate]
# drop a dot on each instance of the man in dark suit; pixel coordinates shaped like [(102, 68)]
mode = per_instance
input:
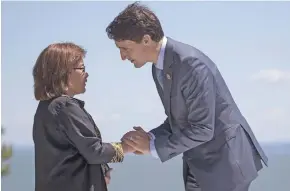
[(220, 151)]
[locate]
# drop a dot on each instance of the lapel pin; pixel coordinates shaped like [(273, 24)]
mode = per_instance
[(168, 76)]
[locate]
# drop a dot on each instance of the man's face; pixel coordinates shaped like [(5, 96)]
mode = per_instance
[(136, 53)]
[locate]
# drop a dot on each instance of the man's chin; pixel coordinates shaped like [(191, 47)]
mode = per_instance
[(84, 90), (138, 65)]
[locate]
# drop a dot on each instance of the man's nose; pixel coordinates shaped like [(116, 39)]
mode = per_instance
[(123, 56)]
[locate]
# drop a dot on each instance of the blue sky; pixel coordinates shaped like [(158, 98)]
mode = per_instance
[(249, 42)]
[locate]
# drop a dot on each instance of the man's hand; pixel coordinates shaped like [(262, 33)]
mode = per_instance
[(108, 176), (127, 148), (138, 153), (138, 139)]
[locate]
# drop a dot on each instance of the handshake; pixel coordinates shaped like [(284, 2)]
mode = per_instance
[(137, 142)]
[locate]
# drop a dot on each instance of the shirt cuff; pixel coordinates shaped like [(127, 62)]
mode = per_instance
[(152, 145), (152, 136)]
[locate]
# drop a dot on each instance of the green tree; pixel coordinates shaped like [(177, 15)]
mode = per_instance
[(6, 154)]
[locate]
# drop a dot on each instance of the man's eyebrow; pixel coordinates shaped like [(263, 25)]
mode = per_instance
[(117, 45), (123, 48), (120, 47)]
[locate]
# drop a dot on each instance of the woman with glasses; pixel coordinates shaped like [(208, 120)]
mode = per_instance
[(69, 151)]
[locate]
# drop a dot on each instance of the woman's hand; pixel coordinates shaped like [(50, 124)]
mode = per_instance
[(108, 176), (127, 148)]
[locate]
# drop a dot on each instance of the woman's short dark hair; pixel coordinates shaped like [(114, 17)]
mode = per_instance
[(133, 23), (52, 68)]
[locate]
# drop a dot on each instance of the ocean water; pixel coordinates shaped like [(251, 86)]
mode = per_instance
[(145, 173)]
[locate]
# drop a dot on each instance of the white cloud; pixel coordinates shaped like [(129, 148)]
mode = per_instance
[(271, 125), (274, 114), (272, 76)]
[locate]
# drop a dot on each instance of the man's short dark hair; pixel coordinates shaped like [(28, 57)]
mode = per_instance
[(133, 23)]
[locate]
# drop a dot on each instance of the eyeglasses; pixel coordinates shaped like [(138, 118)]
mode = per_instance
[(82, 68)]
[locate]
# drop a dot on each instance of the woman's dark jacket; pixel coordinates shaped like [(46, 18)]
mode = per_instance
[(69, 153)]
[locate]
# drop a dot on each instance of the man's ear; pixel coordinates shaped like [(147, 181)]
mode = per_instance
[(146, 39)]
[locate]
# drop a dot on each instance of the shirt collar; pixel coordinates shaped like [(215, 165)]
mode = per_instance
[(81, 103), (160, 60)]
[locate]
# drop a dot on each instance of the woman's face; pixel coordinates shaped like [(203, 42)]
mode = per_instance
[(77, 80)]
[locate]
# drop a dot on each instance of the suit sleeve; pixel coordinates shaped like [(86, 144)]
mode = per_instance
[(76, 125), (199, 93), (162, 130)]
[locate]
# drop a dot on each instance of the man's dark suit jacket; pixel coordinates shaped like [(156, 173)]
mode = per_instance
[(204, 123)]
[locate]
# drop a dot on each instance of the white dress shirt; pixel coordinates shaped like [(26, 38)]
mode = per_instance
[(159, 67)]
